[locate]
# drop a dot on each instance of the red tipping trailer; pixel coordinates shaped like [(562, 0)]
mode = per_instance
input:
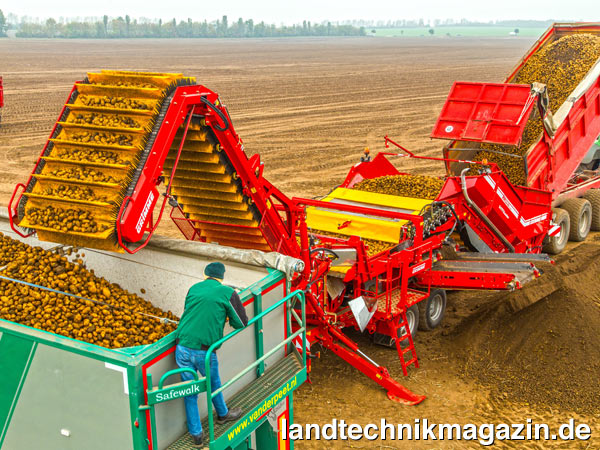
[(564, 160)]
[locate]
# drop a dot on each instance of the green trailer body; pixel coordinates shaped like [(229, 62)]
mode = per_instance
[(58, 393)]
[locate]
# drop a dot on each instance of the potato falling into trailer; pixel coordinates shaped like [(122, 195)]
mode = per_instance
[(555, 151), (561, 66)]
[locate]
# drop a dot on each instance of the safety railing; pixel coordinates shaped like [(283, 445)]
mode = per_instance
[(161, 393), (300, 320)]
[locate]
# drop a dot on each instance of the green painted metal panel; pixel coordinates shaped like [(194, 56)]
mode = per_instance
[(266, 437), (16, 354), (71, 402), (93, 393)]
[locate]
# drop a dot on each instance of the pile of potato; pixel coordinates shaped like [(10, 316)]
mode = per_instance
[(102, 137), (112, 102), (117, 321), (121, 83), (88, 155), (83, 174), (416, 186), (560, 66), (64, 220), (75, 193), (104, 120)]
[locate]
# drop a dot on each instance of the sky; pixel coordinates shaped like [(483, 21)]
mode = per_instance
[(294, 11)]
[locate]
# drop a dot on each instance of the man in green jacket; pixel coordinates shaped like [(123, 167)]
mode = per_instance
[(208, 305)]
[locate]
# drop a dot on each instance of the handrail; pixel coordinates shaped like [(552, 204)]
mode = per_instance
[(175, 371), (432, 158), (258, 361), (302, 330)]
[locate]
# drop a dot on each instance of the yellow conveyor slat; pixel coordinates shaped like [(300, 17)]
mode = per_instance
[(363, 225)]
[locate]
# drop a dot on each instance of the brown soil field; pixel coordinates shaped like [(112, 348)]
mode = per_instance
[(309, 107)]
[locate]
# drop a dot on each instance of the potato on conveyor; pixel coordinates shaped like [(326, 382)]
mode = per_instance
[(79, 173), (416, 186), (112, 102), (104, 120), (64, 220), (86, 155), (75, 193)]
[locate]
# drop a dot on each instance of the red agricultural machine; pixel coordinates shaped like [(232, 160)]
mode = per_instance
[(480, 232)]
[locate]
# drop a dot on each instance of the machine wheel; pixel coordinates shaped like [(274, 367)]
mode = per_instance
[(556, 244), (412, 317), (580, 213), (432, 309), (593, 196)]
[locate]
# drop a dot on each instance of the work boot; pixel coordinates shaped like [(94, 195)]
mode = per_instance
[(198, 440), (232, 415)]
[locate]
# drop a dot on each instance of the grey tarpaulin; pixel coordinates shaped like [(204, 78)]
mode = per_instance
[(273, 260)]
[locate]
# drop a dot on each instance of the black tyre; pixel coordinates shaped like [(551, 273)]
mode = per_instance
[(556, 244), (593, 196), (412, 317), (432, 310), (580, 214)]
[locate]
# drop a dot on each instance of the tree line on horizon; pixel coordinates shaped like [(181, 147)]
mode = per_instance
[(3, 24), (125, 27)]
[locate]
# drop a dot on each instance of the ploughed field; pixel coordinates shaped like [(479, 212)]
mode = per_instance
[(309, 107)]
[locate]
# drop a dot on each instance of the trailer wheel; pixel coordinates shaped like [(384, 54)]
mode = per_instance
[(593, 196), (580, 213), (412, 317), (556, 244), (432, 309)]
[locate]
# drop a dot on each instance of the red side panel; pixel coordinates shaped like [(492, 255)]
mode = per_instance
[(521, 215), (485, 112), (551, 167), (1, 93), (379, 167)]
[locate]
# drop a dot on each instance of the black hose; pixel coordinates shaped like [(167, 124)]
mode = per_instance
[(219, 112), (324, 250), (457, 222)]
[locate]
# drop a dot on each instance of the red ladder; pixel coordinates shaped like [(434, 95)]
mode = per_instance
[(403, 323)]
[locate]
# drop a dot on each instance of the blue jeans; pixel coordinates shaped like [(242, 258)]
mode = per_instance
[(194, 359)]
